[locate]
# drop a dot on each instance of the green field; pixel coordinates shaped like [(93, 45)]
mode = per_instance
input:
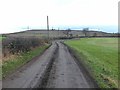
[(19, 60), (100, 55), (1, 37)]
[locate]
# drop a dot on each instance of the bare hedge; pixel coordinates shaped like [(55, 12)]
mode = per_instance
[(15, 45)]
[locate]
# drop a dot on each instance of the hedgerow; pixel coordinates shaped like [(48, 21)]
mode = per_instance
[(16, 45)]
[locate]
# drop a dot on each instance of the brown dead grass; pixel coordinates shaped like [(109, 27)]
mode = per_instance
[(8, 57), (109, 80)]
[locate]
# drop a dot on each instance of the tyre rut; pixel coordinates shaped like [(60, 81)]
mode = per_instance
[(44, 81)]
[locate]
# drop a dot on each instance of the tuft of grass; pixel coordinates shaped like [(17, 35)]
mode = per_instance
[(101, 57), (14, 63)]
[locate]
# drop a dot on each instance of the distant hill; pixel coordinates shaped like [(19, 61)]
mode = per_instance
[(61, 33)]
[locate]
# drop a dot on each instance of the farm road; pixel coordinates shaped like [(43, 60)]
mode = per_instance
[(55, 68)]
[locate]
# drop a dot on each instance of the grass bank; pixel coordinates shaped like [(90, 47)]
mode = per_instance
[(19, 60), (101, 56)]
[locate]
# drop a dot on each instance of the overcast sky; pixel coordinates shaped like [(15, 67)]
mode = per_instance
[(16, 14)]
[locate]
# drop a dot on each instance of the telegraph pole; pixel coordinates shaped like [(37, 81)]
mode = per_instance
[(58, 32), (48, 26)]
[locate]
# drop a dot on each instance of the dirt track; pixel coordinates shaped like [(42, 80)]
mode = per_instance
[(55, 68)]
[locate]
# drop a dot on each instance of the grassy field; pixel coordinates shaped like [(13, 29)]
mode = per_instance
[(1, 37), (16, 61), (101, 57)]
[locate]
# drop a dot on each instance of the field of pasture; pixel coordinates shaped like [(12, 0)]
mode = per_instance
[(100, 55), (1, 37)]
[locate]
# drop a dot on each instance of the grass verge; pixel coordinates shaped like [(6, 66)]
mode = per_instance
[(19, 60), (100, 55)]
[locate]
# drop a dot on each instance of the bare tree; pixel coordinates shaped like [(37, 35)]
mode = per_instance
[(95, 34), (68, 30), (85, 31)]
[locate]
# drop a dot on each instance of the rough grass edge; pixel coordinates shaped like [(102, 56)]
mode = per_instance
[(34, 58)]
